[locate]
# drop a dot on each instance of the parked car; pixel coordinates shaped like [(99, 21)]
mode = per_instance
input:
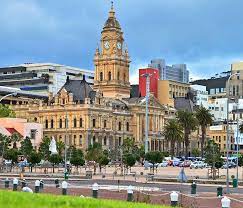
[(198, 164), (176, 162), (231, 165), (163, 164), (185, 163)]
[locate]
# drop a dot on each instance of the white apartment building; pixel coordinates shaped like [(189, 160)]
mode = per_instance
[(200, 95), (41, 77)]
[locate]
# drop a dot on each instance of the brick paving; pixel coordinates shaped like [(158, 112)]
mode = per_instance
[(204, 200)]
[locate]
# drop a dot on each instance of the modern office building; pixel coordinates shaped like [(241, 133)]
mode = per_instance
[(41, 77), (216, 86), (168, 90), (176, 72), (199, 95), (153, 81)]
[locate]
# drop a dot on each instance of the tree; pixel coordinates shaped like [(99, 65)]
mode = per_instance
[(15, 138), (60, 147), (4, 143), (103, 161), (129, 160), (204, 119), (44, 148), (26, 147), (173, 132), (77, 157), (195, 152), (154, 157), (54, 159), (189, 123), (94, 153), (213, 156), (11, 154), (34, 158), (5, 111)]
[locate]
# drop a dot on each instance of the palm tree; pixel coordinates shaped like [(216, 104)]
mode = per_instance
[(173, 132), (204, 119), (189, 123)]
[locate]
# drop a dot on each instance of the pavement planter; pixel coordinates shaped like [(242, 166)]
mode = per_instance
[(95, 189), (225, 201), (235, 183), (15, 184), (37, 186), (6, 183), (129, 193), (174, 198), (220, 191), (193, 188), (64, 187), (57, 183)]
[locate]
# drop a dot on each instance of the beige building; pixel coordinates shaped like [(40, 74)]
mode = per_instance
[(168, 90), (106, 113), (218, 134)]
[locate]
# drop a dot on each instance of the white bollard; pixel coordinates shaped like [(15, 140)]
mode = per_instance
[(225, 201), (95, 189), (130, 193), (174, 196), (37, 186), (64, 188)]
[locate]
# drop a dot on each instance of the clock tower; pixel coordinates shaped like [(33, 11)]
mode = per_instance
[(112, 61)]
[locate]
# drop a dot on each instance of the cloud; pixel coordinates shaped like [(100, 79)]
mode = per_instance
[(206, 35)]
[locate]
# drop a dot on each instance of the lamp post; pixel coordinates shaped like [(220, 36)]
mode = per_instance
[(2, 98), (8, 95), (237, 143), (227, 138), (147, 76), (65, 142)]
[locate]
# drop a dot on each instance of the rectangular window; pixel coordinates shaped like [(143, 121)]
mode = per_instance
[(80, 140), (80, 122), (74, 139), (93, 122), (119, 141), (104, 123)]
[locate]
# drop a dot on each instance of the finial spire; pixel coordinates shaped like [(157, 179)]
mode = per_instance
[(112, 12), (112, 5)]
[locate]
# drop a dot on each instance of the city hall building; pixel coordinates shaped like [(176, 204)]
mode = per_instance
[(104, 112)]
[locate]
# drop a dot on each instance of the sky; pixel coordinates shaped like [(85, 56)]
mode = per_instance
[(207, 35)]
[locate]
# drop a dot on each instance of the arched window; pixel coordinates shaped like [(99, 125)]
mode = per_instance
[(80, 122), (74, 123), (52, 124), (80, 140), (60, 123), (124, 77), (35, 119), (109, 76), (46, 124), (101, 76), (104, 123), (93, 139), (118, 75), (74, 139), (127, 126), (66, 123), (93, 122), (105, 141), (119, 126)]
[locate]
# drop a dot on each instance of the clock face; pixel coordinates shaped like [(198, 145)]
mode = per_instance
[(107, 45), (119, 45)]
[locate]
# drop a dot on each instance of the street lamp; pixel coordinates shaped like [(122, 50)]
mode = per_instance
[(147, 76), (65, 142), (227, 139), (8, 95), (2, 98)]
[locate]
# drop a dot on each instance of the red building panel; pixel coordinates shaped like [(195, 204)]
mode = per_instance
[(154, 77)]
